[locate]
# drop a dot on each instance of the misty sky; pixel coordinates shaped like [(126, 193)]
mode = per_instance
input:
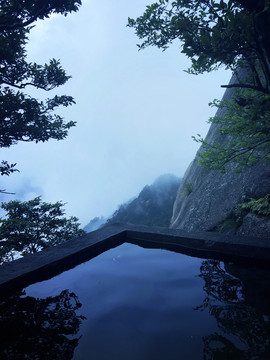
[(135, 112)]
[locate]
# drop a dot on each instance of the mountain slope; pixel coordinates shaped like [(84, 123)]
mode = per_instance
[(152, 207), (94, 224)]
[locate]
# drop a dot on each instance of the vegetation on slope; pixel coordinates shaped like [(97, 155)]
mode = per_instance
[(153, 206)]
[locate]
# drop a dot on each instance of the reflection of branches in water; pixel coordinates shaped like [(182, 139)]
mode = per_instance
[(39, 328), (236, 318), (217, 347), (220, 285)]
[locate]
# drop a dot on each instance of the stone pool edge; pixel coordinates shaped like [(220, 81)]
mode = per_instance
[(54, 260)]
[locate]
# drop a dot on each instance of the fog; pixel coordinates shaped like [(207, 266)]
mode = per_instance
[(135, 112)]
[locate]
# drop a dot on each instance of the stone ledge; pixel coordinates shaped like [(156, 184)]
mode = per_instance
[(52, 261)]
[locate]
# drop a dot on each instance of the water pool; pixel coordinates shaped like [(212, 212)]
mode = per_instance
[(131, 303)]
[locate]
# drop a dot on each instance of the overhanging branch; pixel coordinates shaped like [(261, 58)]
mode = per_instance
[(246, 86)]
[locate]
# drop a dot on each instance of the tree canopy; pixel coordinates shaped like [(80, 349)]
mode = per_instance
[(234, 34), (34, 225), (23, 117)]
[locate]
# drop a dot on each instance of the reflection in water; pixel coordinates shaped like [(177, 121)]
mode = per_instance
[(39, 328), (245, 329), (139, 305)]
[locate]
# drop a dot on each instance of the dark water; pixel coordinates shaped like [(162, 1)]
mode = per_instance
[(131, 303)]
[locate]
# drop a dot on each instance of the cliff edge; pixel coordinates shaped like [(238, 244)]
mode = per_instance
[(207, 199)]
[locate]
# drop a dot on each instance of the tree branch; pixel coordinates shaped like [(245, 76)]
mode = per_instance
[(23, 86), (3, 191), (238, 152), (246, 86)]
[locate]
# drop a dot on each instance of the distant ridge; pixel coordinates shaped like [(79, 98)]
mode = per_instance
[(152, 207)]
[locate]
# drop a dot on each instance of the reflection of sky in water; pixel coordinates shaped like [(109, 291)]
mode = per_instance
[(140, 304)]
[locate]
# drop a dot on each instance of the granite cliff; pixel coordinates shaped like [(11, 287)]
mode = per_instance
[(207, 199)]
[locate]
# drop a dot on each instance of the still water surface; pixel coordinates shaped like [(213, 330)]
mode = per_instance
[(131, 303)]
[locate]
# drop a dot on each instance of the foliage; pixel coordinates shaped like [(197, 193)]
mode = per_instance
[(6, 168), (22, 117), (213, 33), (259, 207), (247, 132), (228, 226), (234, 34), (188, 188), (33, 225)]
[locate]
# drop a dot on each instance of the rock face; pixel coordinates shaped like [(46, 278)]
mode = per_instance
[(251, 222), (206, 198)]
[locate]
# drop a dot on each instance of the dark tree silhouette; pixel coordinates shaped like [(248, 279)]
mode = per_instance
[(33, 328), (24, 118), (33, 225), (226, 299)]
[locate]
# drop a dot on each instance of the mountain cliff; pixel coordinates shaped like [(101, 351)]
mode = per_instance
[(208, 200), (152, 207)]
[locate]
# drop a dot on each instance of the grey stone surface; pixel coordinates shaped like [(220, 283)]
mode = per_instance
[(52, 261), (251, 222), (214, 195)]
